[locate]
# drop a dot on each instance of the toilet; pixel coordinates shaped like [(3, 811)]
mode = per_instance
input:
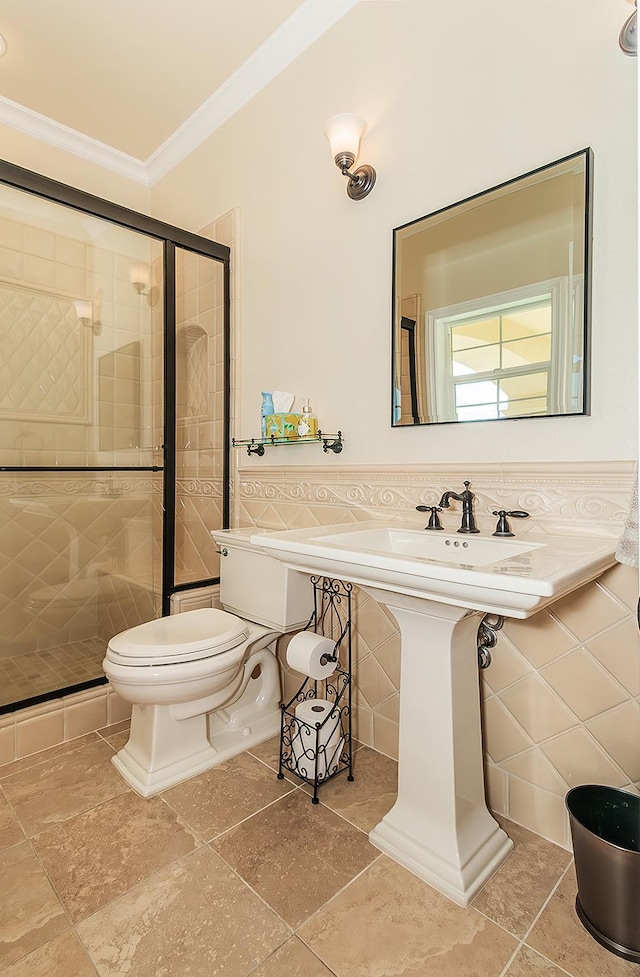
[(205, 684), (55, 606)]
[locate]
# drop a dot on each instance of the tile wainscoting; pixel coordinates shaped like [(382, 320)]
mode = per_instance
[(561, 700), (58, 721)]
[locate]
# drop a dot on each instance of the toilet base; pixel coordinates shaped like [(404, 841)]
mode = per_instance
[(148, 782), (163, 750)]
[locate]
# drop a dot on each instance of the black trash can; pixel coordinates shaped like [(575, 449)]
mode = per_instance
[(605, 828)]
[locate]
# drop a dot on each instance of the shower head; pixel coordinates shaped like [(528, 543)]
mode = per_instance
[(628, 39)]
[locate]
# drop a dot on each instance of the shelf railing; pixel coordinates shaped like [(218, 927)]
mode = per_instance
[(256, 446)]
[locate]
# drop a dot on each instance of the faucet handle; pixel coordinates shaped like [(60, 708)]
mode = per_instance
[(434, 518), (503, 528)]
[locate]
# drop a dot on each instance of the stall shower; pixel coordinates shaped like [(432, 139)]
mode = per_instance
[(114, 332)]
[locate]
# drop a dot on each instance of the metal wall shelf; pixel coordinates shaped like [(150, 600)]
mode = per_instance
[(256, 446)]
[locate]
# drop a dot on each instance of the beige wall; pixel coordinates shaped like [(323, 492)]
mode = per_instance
[(483, 251), (32, 154), (459, 97)]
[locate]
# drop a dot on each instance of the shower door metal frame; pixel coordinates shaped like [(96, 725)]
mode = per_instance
[(171, 237)]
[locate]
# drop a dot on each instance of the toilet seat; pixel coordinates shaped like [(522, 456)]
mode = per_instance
[(70, 594), (185, 637)]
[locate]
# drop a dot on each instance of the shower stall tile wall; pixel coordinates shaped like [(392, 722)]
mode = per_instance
[(108, 489)]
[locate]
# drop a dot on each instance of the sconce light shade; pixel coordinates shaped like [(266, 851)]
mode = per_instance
[(84, 311), (86, 315), (139, 276), (344, 132)]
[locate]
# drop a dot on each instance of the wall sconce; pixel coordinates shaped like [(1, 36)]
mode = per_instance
[(628, 39), (139, 278), (344, 133), (84, 312)]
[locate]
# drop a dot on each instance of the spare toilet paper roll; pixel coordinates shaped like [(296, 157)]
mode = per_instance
[(316, 751), (306, 652)]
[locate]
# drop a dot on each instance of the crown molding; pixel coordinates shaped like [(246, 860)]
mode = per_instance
[(71, 141), (306, 25), (312, 19)]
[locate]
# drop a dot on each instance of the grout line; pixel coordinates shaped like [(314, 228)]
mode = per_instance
[(547, 901), (335, 895), (528, 931), (72, 925), (237, 824)]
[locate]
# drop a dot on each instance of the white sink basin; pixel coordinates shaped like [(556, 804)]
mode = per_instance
[(437, 586), (513, 577), (473, 551)]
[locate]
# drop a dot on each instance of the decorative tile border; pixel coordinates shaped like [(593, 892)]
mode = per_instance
[(574, 494)]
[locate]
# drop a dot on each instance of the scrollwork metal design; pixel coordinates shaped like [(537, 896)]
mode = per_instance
[(317, 752)]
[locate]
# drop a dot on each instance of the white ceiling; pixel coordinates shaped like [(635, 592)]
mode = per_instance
[(136, 85)]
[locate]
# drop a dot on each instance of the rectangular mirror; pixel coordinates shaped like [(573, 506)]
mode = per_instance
[(491, 302)]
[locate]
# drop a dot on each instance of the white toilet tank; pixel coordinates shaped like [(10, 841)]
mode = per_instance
[(258, 588)]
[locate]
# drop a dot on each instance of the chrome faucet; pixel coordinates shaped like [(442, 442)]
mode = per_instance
[(466, 497)]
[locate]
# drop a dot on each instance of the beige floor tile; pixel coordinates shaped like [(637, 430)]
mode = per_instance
[(10, 831), (296, 855), (528, 963), (516, 893), (118, 740), (30, 912), (366, 800), (63, 786), (220, 798), (561, 937), (268, 751), (97, 856), (62, 957), (25, 763), (194, 917), (294, 959), (389, 922)]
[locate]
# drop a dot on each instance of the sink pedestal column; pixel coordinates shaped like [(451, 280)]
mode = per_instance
[(440, 828)]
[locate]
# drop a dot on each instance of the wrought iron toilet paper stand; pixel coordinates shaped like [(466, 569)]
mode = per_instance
[(318, 750)]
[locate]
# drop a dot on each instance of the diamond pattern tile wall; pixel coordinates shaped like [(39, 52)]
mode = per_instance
[(44, 368)]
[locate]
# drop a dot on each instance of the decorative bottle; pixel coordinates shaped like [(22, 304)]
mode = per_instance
[(267, 408), (308, 423)]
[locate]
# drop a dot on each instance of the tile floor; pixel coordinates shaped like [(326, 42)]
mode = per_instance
[(235, 873), (50, 669)]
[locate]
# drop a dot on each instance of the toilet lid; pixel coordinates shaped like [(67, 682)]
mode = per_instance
[(179, 638)]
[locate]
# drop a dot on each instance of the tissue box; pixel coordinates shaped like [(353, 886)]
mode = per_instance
[(282, 425)]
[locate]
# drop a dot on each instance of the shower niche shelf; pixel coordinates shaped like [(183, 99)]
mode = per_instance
[(256, 446)]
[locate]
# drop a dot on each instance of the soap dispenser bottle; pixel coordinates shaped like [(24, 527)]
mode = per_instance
[(308, 423), (267, 408)]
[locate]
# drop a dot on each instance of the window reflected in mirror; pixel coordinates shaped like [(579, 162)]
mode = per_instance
[(491, 302)]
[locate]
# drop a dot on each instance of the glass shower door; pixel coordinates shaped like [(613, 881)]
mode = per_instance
[(81, 423), (200, 394)]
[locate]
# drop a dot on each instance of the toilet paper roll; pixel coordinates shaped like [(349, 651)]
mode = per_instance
[(316, 751), (306, 652)]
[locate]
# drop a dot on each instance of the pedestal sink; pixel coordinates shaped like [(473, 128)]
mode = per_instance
[(437, 586)]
